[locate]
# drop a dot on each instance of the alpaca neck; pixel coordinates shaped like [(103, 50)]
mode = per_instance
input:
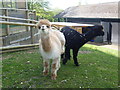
[(89, 36), (46, 44)]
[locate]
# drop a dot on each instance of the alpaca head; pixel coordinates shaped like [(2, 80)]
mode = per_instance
[(44, 26), (99, 30)]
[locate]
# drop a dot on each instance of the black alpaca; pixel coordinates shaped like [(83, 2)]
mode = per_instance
[(75, 40)]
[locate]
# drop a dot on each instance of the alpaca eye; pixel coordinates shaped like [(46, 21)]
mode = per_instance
[(48, 27), (39, 27)]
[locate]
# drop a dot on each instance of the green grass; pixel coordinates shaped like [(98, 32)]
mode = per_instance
[(98, 69)]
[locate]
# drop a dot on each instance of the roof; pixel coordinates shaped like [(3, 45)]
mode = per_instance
[(103, 10), (71, 24)]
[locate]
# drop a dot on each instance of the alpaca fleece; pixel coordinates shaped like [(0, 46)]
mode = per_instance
[(51, 45), (75, 40)]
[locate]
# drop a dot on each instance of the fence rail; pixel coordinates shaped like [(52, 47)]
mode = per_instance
[(18, 37), (22, 19), (17, 9), (18, 48), (17, 23)]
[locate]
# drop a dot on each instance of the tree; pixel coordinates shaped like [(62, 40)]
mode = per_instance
[(43, 10), (38, 4)]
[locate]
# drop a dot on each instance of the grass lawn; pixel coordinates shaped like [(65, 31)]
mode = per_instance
[(98, 69)]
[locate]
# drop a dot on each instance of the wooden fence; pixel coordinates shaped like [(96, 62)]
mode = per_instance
[(19, 37), (16, 13), (12, 31), (22, 39), (18, 48)]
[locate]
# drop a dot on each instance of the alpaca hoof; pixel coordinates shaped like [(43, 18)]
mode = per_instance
[(53, 77), (77, 64), (64, 63), (45, 73)]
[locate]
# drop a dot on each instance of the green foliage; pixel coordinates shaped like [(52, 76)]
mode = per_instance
[(43, 10), (7, 4), (98, 69), (41, 4)]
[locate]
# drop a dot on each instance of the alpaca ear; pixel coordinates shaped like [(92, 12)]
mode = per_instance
[(101, 27), (55, 26), (36, 26), (50, 25)]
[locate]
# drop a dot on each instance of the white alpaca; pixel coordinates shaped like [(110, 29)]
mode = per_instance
[(51, 45)]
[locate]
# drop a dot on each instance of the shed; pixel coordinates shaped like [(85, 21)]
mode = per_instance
[(106, 14)]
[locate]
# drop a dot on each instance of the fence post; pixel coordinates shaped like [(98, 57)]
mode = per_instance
[(35, 15), (7, 28), (27, 16), (1, 42), (32, 35)]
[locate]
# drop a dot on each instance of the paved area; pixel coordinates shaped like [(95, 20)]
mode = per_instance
[(112, 46)]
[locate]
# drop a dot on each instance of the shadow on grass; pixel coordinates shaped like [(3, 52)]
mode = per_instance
[(98, 69)]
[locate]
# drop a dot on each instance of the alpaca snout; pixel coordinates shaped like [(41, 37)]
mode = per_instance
[(42, 28)]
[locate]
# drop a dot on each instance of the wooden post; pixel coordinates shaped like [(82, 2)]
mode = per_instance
[(27, 16), (35, 15), (5, 42), (7, 28), (2, 4), (32, 35), (1, 42)]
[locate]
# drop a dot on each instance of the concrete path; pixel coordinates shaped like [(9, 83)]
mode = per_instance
[(112, 46)]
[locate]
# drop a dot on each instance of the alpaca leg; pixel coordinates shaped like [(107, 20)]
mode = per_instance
[(62, 47), (46, 67), (59, 63), (67, 55), (75, 53), (63, 56), (55, 66), (62, 40)]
